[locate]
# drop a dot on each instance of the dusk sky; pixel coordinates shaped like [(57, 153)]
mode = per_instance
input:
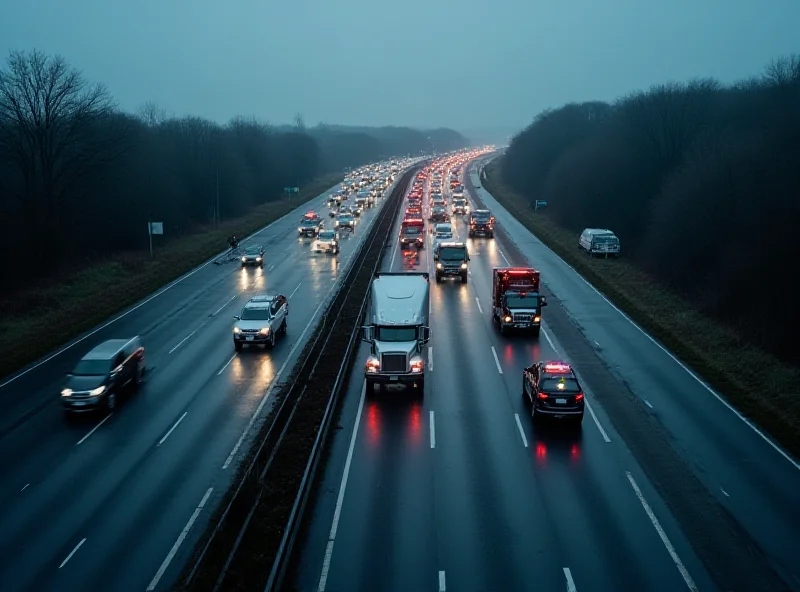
[(466, 65)]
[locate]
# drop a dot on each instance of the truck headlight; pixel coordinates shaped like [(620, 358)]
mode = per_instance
[(537, 319), (66, 393), (417, 365), (264, 331), (98, 391), (244, 259), (237, 330), (258, 259), (463, 266), (373, 364), (507, 319), (299, 229), (439, 266)]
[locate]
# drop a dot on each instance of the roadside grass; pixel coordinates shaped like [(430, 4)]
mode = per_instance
[(760, 386), (40, 319)]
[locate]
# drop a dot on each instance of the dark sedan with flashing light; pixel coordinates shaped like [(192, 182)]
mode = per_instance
[(553, 390)]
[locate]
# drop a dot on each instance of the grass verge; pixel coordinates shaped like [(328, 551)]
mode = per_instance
[(759, 385), (35, 321)]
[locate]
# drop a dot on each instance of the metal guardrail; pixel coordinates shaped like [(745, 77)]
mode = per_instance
[(251, 481)]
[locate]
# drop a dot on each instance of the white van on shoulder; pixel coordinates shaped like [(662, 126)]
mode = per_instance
[(599, 241)]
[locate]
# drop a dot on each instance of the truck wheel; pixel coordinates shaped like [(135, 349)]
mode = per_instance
[(438, 279), (503, 329), (536, 331), (420, 387), (464, 278), (370, 387)]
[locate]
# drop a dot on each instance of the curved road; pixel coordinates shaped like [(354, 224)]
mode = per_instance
[(459, 492), (100, 503)]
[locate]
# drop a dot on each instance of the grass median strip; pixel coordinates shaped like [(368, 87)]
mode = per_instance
[(759, 385), (252, 518), (40, 319)]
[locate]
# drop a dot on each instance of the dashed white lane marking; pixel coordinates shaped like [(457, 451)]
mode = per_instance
[(663, 535), (504, 258), (182, 341), (271, 267), (433, 432), (295, 290), (172, 429), (224, 305), (646, 402), (430, 358), (724, 492), (496, 360), (549, 340), (228, 363), (179, 542), (78, 546), (478, 302), (24, 488), (596, 421), (521, 431), (326, 563), (94, 429), (570, 582), (442, 583)]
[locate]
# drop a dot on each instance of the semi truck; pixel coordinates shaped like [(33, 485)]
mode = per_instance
[(516, 301), (397, 330)]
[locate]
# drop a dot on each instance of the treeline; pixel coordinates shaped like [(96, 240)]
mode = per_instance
[(700, 181), (79, 178)]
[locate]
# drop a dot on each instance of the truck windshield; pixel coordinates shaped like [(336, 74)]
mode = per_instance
[(396, 333), (518, 301), (411, 230), (452, 254)]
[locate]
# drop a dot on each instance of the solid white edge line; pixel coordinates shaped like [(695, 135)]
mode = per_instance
[(94, 429), (160, 292), (442, 582), (497, 360), (172, 429), (550, 341), (224, 305), (478, 302), (521, 431), (504, 258), (78, 546), (570, 582), (228, 363), (430, 358), (182, 341), (179, 542), (433, 431), (596, 421), (672, 356), (337, 512), (295, 290), (663, 535)]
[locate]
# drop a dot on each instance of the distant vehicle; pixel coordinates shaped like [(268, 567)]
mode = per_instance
[(452, 259), (460, 206), (443, 232), (397, 329), (599, 241), (260, 321), (516, 301), (102, 374), (553, 390), (439, 214), (253, 255), (412, 232), (310, 225), (327, 241), (346, 222), (481, 222)]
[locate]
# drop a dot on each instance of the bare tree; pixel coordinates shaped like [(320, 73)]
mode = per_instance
[(152, 115), (299, 123), (49, 116)]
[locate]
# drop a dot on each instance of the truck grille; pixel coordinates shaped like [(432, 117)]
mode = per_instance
[(393, 363), (522, 317)]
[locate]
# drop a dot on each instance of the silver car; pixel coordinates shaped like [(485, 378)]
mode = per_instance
[(253, 255), (260, 321)]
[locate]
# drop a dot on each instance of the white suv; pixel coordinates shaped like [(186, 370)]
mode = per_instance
[(260, 321)]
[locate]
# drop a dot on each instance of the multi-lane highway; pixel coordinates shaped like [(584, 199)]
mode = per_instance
[(115, 502), (460, 492)]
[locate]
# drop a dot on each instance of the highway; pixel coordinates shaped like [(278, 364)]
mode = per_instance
[(116, 502), (459, 491)]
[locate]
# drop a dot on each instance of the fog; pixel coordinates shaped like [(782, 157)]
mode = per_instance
[(470, 65)]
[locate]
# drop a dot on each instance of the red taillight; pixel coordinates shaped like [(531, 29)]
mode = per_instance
[(542, 396), (579, 397)]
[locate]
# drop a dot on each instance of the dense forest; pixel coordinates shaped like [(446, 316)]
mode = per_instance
[(79, 177), (700, 181)]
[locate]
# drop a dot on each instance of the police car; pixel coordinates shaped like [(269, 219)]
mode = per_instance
[(554, 391)]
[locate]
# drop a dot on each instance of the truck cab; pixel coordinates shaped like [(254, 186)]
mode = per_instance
[(516, 301), (397, 330), (412, 233)]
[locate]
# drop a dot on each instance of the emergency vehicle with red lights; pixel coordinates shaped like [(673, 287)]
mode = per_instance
[(553, 390), (516, 301), (412, 233)]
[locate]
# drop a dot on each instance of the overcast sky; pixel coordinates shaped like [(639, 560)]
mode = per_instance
[(464, 64)]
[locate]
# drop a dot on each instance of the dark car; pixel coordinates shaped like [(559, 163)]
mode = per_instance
[(481, 222), (253, 255), (102, 374), (553, 391), (309, 227), (439, 214)]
